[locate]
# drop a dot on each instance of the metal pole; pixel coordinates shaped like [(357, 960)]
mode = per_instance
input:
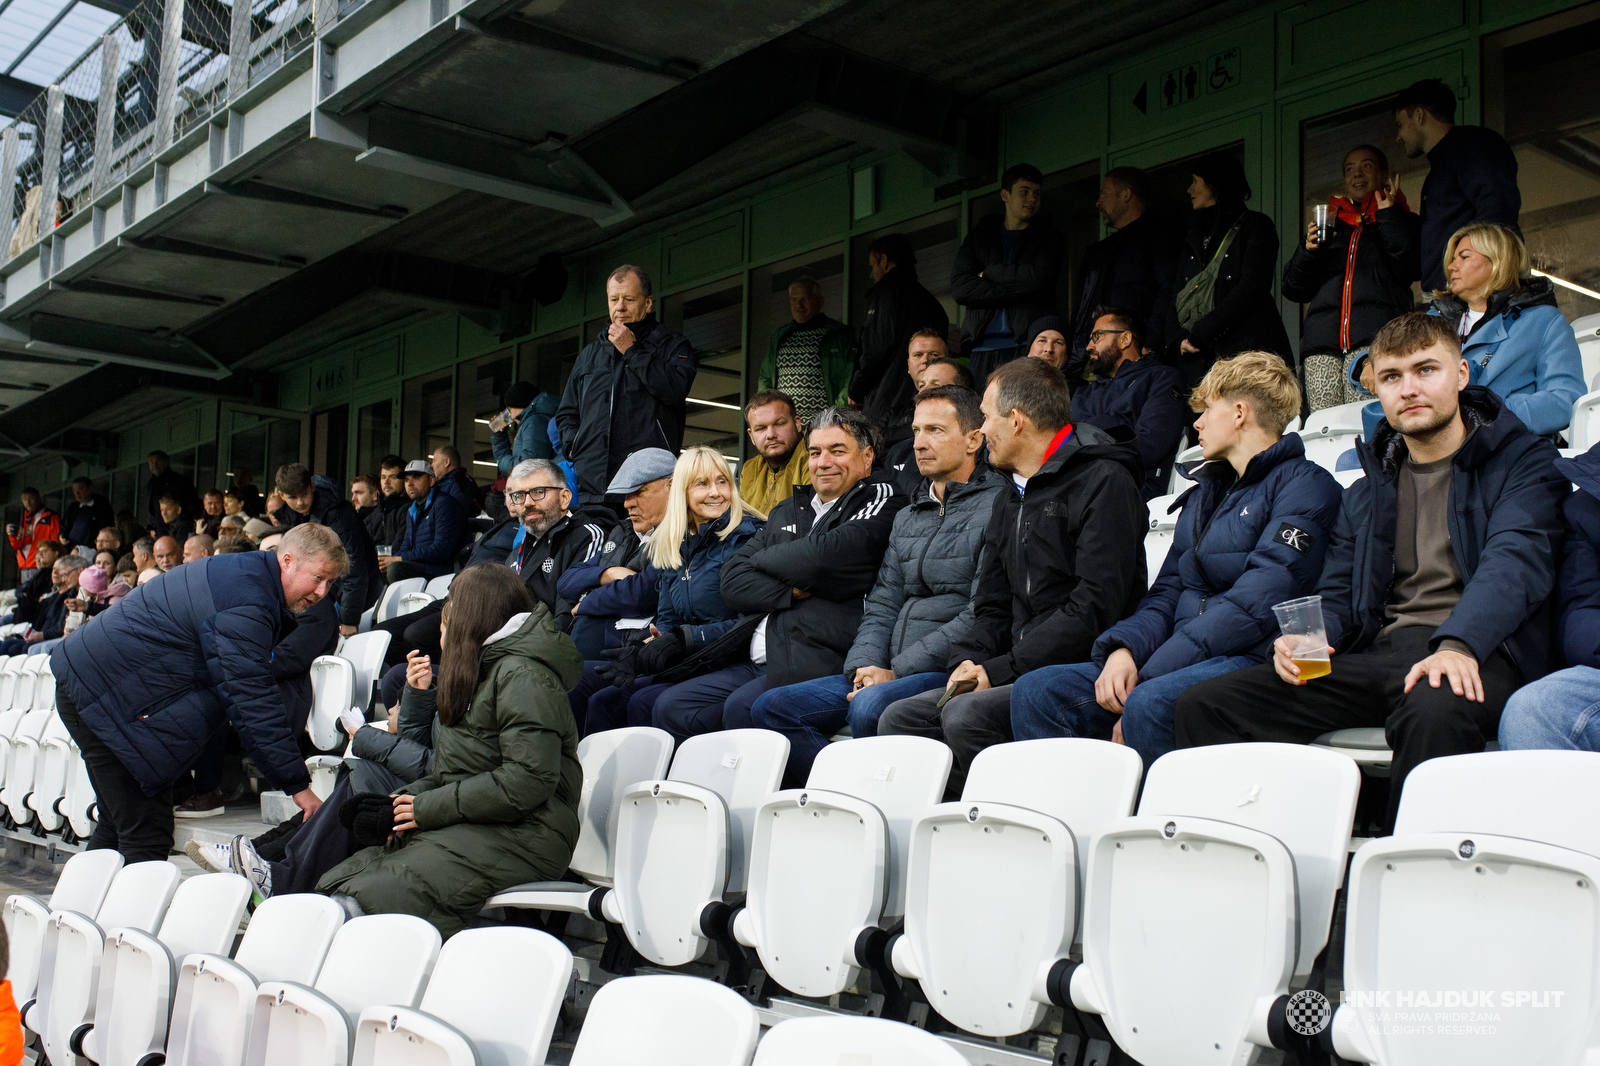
[(239, 50), (50, 182), (105, 118), (167, 86), (8, 188)]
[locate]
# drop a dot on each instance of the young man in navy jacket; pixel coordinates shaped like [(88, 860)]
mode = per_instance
[(1436, 585), (1252, 533)]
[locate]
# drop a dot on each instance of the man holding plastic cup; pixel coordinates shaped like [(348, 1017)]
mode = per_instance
[(1436, 581)]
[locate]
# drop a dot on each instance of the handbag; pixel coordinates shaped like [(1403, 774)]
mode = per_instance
[(1199, 296)]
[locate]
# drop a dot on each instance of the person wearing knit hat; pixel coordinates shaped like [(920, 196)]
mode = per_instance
[(1047, 340), (522, 429)]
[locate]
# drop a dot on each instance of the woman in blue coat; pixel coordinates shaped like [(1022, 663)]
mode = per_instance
[(1252, 534), (706, 521)]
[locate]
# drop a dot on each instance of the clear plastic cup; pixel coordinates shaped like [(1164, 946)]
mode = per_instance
[(1301, 622), (1320, 213)]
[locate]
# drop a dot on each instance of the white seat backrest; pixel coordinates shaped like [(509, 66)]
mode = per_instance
[(289, 936), (1303, 796), (412, 601), (1346, 478), (1177, 483), (439, 587), (667, 1020), (9, 668), (85, 880), (139, 896), (1324, 449), (1157, 546), (501, 987), (1159, 518), (389, 603), (1585, 427), (204, 915), (742, 766), (27, 681), (901, 776), (333, 691), (1344, 416), (378, 958), (612, 760), (1081, 783), (365, 652), (1586, 330), (1546, 796), (812, 1041)]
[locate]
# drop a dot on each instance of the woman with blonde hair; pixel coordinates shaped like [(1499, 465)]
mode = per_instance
[(1515, 339), (706, 521)]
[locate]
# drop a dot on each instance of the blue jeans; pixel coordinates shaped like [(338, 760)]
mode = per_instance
[(812, 711), (1560, 711), (1058, 701), (44, 647), (706, 704)]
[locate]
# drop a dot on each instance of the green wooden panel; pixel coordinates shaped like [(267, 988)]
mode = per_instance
[(903, 188), (802, 217), (473, 340), (567, 311), (330, 381), (377, 363), (1198, 79), (1499, 14), (1320, 37), (1058, 129), (644, 254), (183, 428), (294, 388), (704, 249), (428, 346)]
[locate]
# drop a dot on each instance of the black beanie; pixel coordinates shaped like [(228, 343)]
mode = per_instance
[(520, 394)]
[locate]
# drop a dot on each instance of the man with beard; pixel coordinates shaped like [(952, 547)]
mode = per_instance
[(769, 478), (553, 536), (143, 689), (1143, 395)]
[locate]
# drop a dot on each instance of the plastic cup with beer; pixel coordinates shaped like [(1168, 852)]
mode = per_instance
[(1301, 621)]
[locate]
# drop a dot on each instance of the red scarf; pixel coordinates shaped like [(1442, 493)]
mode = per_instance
[(1345, 211)]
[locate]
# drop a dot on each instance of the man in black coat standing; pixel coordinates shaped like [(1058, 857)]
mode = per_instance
[(306, 501), (1472, 172), (85, 516), (897, 307), (627, 390), (1006, 274), (165, 481), (1133, 267)]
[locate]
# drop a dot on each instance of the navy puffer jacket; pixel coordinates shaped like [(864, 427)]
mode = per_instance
[(180, 657), (1242, 545), (433, 539), (1580, 566), (691, 595)]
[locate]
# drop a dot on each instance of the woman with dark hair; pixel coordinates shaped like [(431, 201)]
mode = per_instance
[(500, 806), (1223, 301), (1356, 279)]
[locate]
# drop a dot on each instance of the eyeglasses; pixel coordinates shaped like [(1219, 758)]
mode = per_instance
[(1095, 334), (534, 495)]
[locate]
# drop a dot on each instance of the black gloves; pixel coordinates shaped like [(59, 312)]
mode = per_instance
[(665, 650)]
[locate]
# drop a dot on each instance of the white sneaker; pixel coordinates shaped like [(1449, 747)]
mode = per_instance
[(253, 867), (216, 858)]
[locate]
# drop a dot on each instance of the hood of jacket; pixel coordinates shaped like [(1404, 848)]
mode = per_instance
[(1489, 424), (1583, 471), (1089, 443), (1289, 446), (535, 637), (1535, 292)]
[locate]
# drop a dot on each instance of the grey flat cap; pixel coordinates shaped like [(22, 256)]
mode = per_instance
[(419, 466), (641, 468)]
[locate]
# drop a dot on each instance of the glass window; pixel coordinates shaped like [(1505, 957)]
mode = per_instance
[(283, 446), (425, 414), (712, 318), (482, 382), (330, 444), (374, 435), (548, 361), (1542, 94)]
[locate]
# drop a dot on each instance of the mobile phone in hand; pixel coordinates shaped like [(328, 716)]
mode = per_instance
[(957, 688)]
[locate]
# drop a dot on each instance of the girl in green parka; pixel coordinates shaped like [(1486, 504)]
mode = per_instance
[(501, 805)]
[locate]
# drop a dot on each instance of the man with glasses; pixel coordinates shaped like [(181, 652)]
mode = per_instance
[(1143, 396), (553, 537)]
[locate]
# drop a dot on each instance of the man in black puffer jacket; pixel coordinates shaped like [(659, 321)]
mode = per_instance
[(1063, 559), (627, 390), (897, 307), (306, 501)]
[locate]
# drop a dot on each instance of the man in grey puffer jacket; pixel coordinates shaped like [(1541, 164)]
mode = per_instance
[(922, 600)]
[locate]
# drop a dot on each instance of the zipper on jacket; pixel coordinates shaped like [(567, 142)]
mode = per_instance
[(1349, 271)]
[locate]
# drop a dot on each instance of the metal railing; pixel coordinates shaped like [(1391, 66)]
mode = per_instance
[(158, 74)]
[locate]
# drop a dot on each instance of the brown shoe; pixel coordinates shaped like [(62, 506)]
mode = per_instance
[(204, 805)]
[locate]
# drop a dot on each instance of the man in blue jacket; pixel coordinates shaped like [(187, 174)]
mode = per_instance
[(143, 688), (1142, 394), (436, 528), (1560, 711), (1252, 534), (522, 429), (1437, 579)]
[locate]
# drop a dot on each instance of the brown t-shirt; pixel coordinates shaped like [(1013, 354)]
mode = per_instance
[(1427, 583)]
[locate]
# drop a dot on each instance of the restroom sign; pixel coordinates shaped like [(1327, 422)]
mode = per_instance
[(1222, 71), (1179, 86)]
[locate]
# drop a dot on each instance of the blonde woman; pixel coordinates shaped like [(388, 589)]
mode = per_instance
[(1517, 343), (705, 522)]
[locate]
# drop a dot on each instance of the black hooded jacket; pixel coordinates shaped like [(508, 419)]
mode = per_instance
[(1133, 267), (897, 307), (1244, 316), (1349, 297), (358, 589), (1025, 288), (1062, 563)]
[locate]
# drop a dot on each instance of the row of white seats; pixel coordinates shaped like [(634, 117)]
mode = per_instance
[(44, 784), (1327, 434), (403, 597), (1199, 914)]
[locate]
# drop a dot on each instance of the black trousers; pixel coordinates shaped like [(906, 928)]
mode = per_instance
[(137, 825), (416, 631), (1364, 689), (321, 844)]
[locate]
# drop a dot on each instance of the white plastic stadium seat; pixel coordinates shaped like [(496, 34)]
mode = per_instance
[(667, 1020), (388, 605), (287, 940), (333, 691), (56, 753), (365, 652), (439, 587), (412, 601), (1200, 910), (375, 959), (612, 761), (78, 804), (69, 977), (10, 666), (848, 1041), (1158, 541), (827, 862), (1586, 331), (22, 760), (1367, 745), (1177, 483), (1501, 843), (139, 971), (1584, 429), (493, 1000), (1331, 432), (980, 946), (85, 879), (22, 696), (1346, 478)]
